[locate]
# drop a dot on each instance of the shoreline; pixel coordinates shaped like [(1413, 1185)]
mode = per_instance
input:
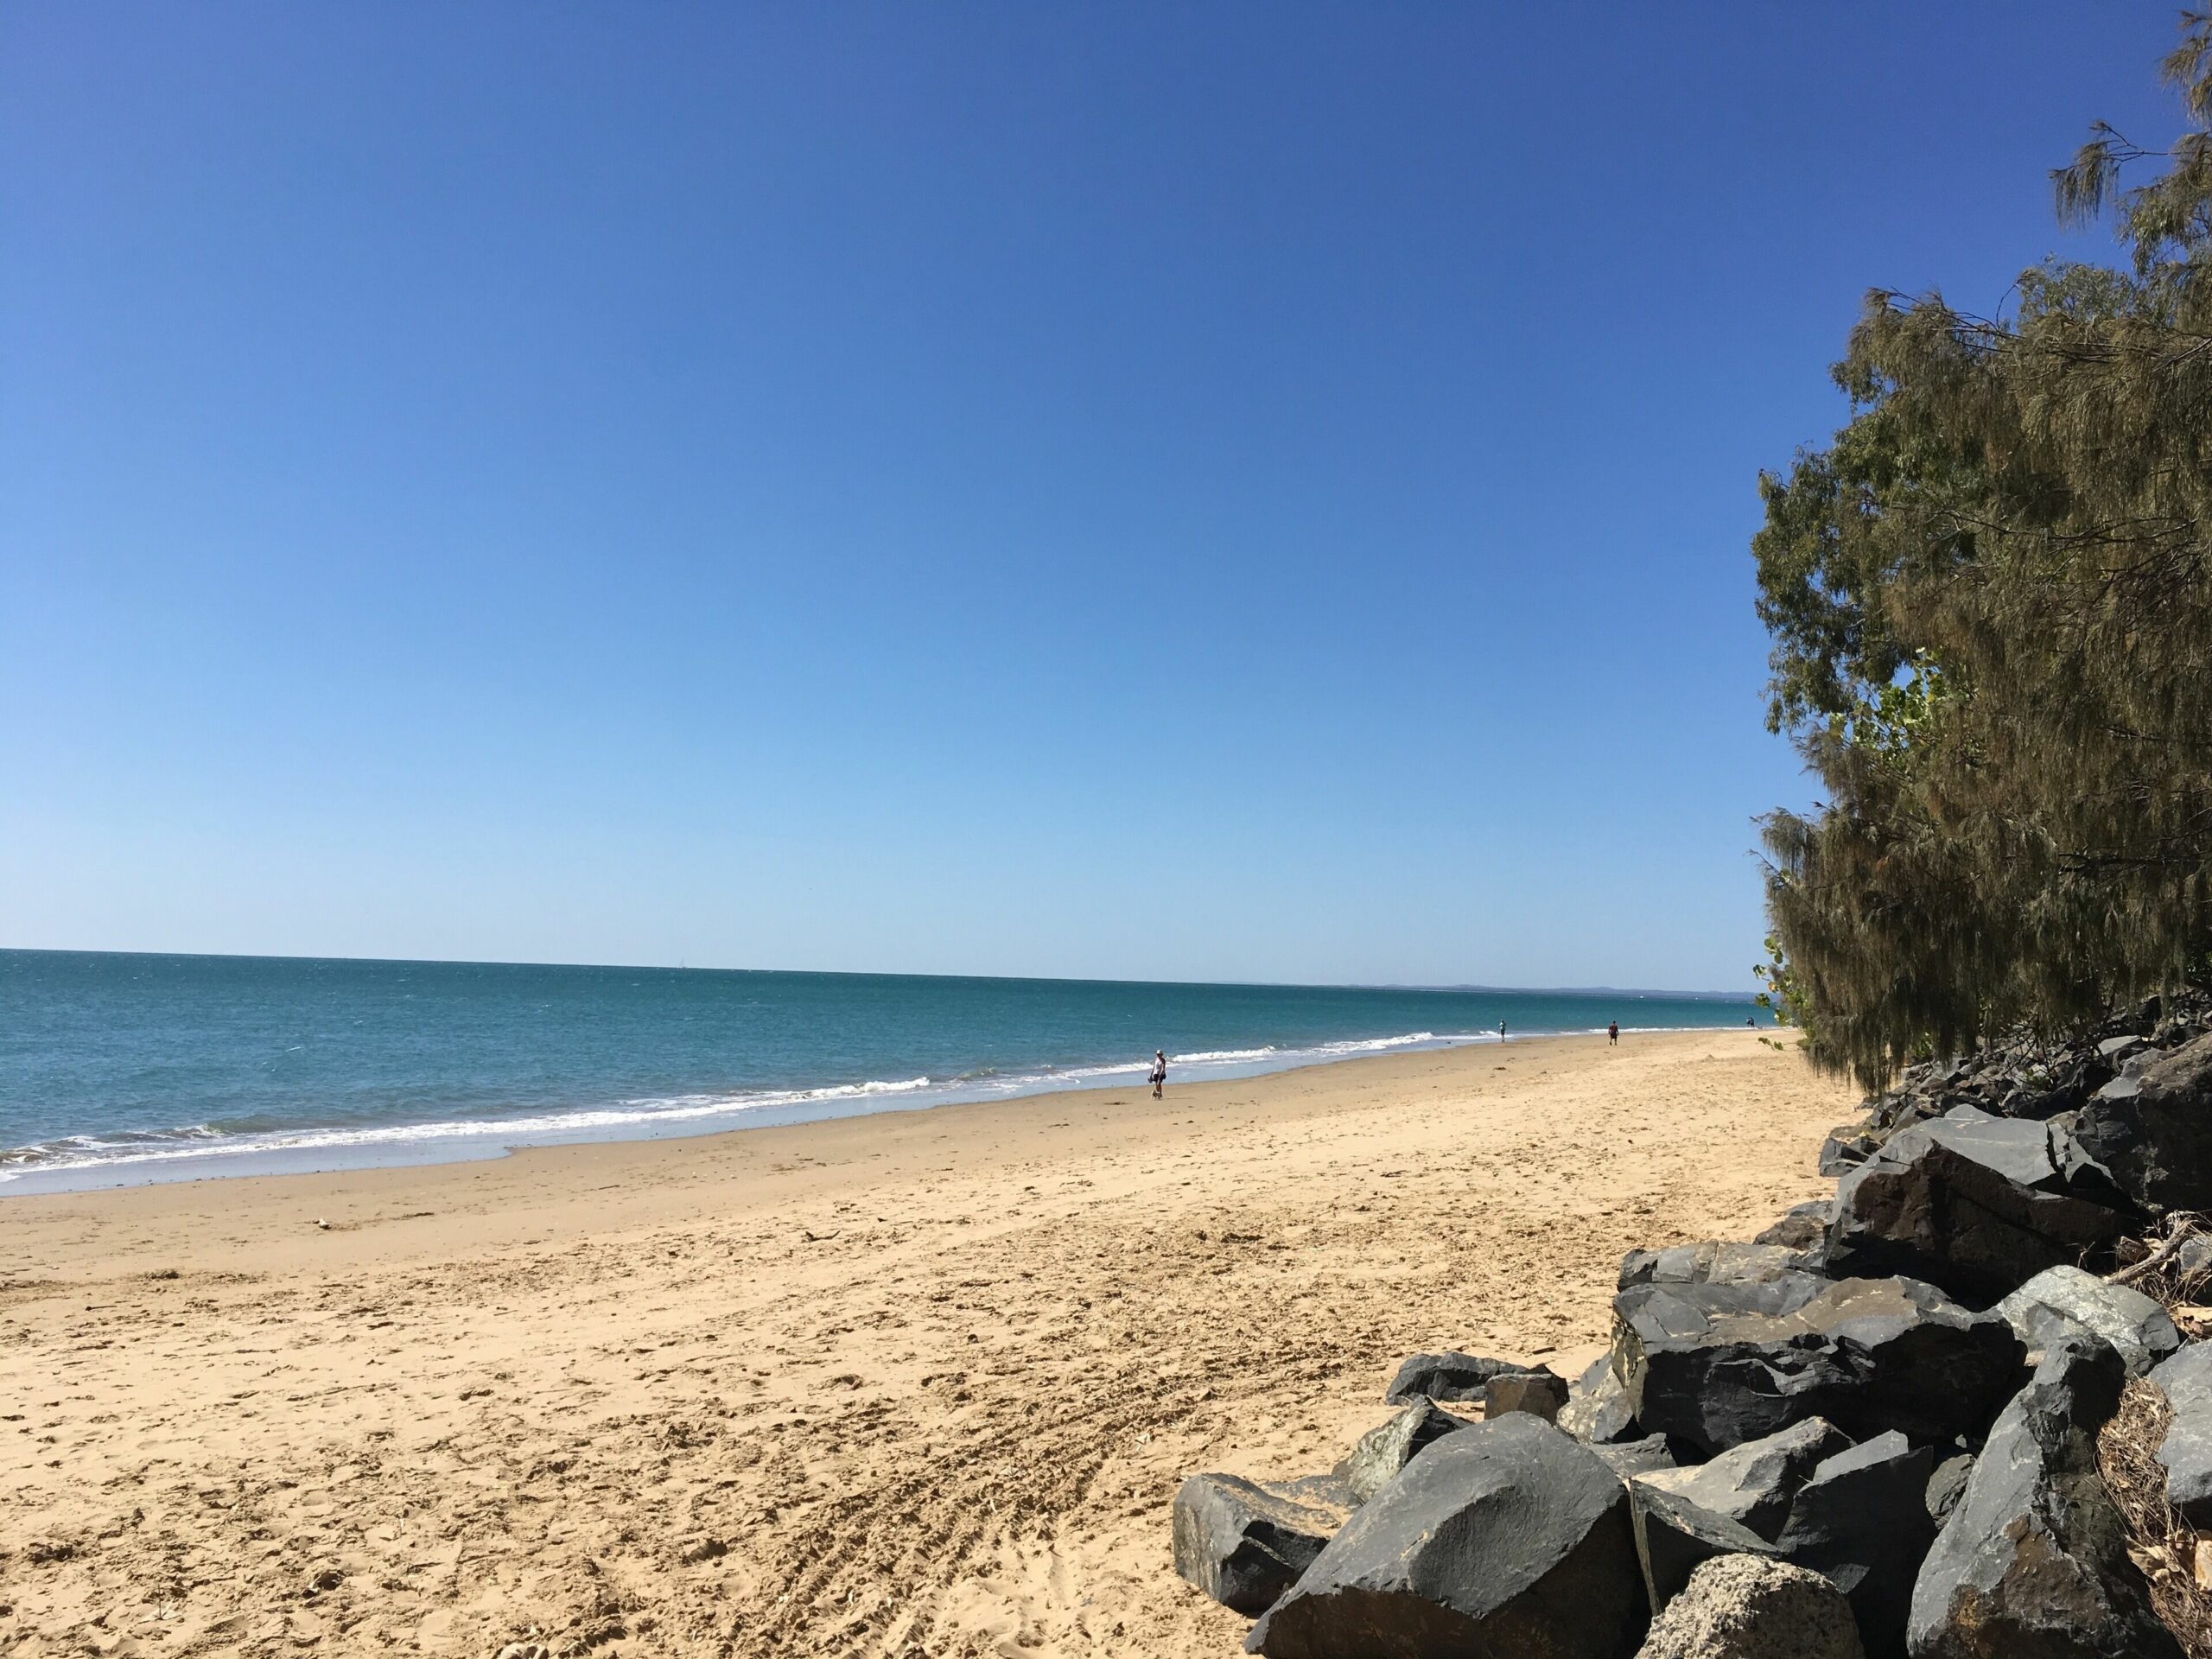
[(336, 1149), (536, 1178), (920, 1382)]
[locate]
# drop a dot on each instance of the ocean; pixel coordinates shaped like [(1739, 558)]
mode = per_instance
[(118, 1069)]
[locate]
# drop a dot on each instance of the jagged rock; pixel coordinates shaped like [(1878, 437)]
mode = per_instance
[(1505, 1538), (2059, 1301), (2034, 1559), (1331, 1492), (2153, 1130), (1947, 1485), (1597, 1408), (1243, 1544), (1748, 1607), (1713, 1262), (1628, 1458), (1450, 1376), (1971, 1204), (1751, 1485), (1803, 1226), (2186, 1451), (1861, 1520), (1716, 1365), (1674, 1535), (1846, 1148), (1688, 1353), (2193, 1259), (1387, 1448), (1539, 1392), (2022, 1079)]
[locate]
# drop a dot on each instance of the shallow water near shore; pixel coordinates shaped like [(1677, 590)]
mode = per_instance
[(127, 1068)]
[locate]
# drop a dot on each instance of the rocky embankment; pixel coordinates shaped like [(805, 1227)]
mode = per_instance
[(1873, 1431)]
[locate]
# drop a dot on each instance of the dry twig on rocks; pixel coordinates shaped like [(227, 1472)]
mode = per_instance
[(2161, 1543)]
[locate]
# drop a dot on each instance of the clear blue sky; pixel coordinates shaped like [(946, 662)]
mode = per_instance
[(1254, 491)]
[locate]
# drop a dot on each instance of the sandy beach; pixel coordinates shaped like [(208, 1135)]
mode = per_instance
[(920, 1382)]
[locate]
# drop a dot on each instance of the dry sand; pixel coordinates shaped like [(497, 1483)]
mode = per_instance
[(918, 1383)]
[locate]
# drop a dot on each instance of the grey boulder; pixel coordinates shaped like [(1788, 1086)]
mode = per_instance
[(1448, 1376), (2153, 1130), (1387, 1448), (2062, 1301), (1846, 1148), (2116, 1050), (1947, 1485), (1972, 1203), (1803, 1226), (1716, 1365), (1539, 1392), (2034, 1559), (1713, 1262), (1507, 1538), (1861, 1520), (1629, 1458), (1243, 1544), (1746, 1607), (1674, 1535), (1751, 1485), (1597, 1409), (2186, 1451)]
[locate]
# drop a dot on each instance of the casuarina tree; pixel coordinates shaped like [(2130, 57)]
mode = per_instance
[(1991, 601)]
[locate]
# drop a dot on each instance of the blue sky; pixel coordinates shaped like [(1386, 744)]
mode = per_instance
[(1252, 492)]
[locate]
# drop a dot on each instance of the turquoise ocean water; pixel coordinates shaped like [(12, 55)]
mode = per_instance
[(117, 1069)]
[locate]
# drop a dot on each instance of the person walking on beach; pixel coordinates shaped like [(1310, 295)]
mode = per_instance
[(1613, 1034), (1159, 1071)]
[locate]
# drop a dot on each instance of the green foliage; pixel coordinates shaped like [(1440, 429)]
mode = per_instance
[(1991, 601), (1782, 994)]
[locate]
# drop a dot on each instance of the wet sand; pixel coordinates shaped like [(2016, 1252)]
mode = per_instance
[(920, 1382)]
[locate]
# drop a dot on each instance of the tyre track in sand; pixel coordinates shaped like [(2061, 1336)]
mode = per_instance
[(937, 1409)]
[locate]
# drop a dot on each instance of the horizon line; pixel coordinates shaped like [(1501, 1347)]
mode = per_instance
[(1463, 988)]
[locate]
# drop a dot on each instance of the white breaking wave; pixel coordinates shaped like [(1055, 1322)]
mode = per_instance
[(148, 1153)]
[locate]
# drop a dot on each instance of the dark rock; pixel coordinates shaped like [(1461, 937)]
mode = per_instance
[(2034, 1559), (1713, 1262), (1751, 1485), (1844, 1150), (2064, 1301), (1862, 1521), (1947, 1485), (1597, 1408), (1507, 1538), (1444, 1376), (1674, 1535), (1331, 1492), (2186, 1451), (2153, 1131), (2193, 1261), (1748, 1607), (1971, 1204), (1716, 1365), (1803, 1226), (1539, 1392), (1387, 1448), (1631, 1458), (1243, 1544), (1688, 1351)]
